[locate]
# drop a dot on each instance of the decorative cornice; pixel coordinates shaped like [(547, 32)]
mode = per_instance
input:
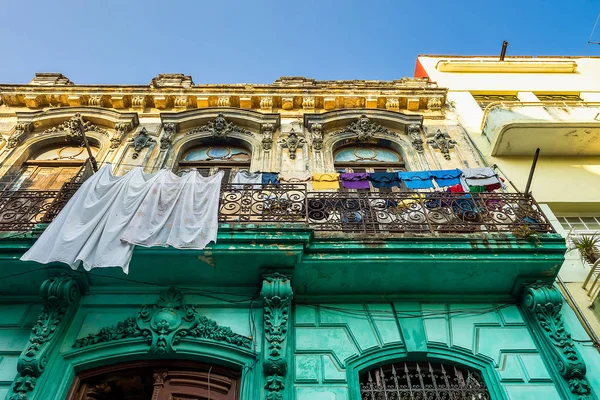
[(543, 303), (277, 295), (220, 127), (443, 143), (291, 142), (163, 326), (364, 129), (59, 294)]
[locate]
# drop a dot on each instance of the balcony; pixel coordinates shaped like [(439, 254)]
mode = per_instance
[(343, 211), (559, 128)]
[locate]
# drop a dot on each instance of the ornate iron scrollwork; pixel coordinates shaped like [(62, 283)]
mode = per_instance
[(164, 324), (277, 296)]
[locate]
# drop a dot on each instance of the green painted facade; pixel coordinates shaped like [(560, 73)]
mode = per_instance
[(323, 306)]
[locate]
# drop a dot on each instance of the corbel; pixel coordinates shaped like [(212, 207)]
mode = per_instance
[(33, 101), (414, 132), (169, 131), (308, 102), (392, 103), (266, 103), (21, 129), (542, 304), (120, 101), (276, 294), (60, 296)]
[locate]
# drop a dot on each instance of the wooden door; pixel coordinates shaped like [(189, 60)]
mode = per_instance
[(193, 385)]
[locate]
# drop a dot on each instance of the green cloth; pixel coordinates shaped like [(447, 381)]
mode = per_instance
[(477, 189)]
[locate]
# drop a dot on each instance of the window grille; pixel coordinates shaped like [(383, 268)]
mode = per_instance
[(485, 100), (422, 380)]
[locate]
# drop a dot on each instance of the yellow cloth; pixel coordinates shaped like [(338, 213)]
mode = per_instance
[(326, 181)]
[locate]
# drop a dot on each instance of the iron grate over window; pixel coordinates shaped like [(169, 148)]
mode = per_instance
[(420, 381)]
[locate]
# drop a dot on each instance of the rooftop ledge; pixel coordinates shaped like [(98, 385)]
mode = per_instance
[(508, 66)]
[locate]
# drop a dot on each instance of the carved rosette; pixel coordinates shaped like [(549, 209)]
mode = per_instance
[(291, 142), (140, 142), (443, 143), (365, 129), (316, 131), (169, 131), (277, 295), (267, 131), (220, 127), (21, 129), (543, 303), (164, 324), (414, 132), (121, 130), (59, 294)]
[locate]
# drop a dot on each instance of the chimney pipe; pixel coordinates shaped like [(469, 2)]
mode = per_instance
[(503, 52)]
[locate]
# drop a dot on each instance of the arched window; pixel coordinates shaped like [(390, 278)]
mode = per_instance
[(48, 168), (210, 158), (365, 158), (422, 380), (156, 380)]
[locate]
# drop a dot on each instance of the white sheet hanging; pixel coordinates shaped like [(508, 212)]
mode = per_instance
[(179, 212), (89, 228), (247, 177)]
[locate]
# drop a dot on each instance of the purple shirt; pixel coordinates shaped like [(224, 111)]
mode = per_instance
[(355, 181)]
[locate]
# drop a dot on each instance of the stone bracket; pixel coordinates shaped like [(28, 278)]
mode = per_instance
[(277, 296), (542, 303), (60, 296)]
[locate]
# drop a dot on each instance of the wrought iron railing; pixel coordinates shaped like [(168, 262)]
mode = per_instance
[(23, 210), (343, 211)]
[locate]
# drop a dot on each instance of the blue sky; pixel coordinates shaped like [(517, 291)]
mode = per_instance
[(131, 41)]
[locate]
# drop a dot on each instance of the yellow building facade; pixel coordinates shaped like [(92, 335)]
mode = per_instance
[(511, 107)]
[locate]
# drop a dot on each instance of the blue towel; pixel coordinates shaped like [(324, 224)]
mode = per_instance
[(270, 178), (416, 180), (447, 177)]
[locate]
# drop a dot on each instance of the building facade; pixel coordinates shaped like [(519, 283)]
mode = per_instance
[(307, 294), (511, 107)]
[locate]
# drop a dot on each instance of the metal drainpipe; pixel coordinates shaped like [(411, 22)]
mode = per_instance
[(579, 314)]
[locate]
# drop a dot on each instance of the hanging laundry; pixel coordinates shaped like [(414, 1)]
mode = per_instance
[(295, 177), (89, 228), (416, 180), (446, 177), (244, 177), (384, 179), (355, 180), (477, 189), (179, 211), (480, 176), (326, 181), (270, 178), (458, 188)]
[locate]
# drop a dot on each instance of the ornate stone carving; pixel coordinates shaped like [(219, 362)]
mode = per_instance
[(365, 129), (121, 129), (220, 127), (308, 102), (267, 131), (442, 142), (223, 101), (543, 303), (316, 131), (59, 294), (277, 295), (291, 142), (434, 103), (414, 132), (21, 129), (392, 103), (172, 81), (169, 131), (72, 127), (140, 142), (266, 102), (97, 101), (164, 324), (180, 102), (138, 101)]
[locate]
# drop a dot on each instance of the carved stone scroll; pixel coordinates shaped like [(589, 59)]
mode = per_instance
[(543, 303), (21, 129), (267, 131), (169, 131), (317, 136), (277, 295), (220, 127), (60, 295), (414, 132)]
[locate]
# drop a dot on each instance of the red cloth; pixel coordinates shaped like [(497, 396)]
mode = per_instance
[(456, 189)]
